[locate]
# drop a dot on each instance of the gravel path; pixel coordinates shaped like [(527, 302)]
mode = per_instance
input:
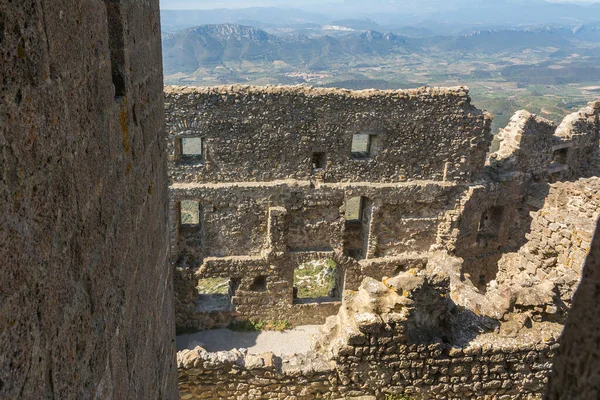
[(293, 341)]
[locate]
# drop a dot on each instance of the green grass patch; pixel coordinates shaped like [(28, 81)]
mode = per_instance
[(315, 279), (213, 286)]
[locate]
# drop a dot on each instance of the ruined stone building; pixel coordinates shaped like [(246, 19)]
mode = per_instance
[(453, 272), (486, 251)]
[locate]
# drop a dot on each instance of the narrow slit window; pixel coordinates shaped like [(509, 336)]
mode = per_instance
[(190, 213)]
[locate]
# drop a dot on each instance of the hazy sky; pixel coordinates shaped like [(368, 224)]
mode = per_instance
[(210, 4)]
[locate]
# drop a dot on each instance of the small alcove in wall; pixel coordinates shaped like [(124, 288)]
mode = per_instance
[(490, 224)]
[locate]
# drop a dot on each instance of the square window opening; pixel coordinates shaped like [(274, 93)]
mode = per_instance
[(319, 161), (215, 294), (317, 281), (259, 284), (560, 157), (190, 213), (364, 146), (191, 149)]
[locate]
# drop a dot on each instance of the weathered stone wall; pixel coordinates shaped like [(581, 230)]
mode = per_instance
[(266, 134), (279, 215), (582, 131), (86, 304), (419, 371), (282, 224), (377, 346), (511, 239), (557, 245), (526, 144), (576, 371)]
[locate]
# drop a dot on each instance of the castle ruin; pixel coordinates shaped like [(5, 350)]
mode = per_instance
[(454, 271), (385, 184)]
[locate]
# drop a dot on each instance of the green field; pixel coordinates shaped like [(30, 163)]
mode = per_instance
[(502, 83)]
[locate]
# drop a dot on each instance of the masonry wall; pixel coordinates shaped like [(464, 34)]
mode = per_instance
[(286, 224), (265, 134), (558, 243), (266, 204), (379, 368), (86, 304), (576, 372), (382, 342)]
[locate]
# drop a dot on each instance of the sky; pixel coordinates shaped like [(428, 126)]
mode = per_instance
[(211, 4)]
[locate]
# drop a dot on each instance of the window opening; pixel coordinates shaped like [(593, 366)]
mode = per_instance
[(259, 284), (319, 161), (190, 213), (364, 146), (192, 147), (355, 210), (361, 146), (490, 223), (215, 294), (560, 156), (317, 280)]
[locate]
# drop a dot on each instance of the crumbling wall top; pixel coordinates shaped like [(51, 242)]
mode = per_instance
[(457, 91)]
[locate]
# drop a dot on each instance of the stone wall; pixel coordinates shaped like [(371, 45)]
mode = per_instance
[(381, 343), (272, 133), (277, 216), (269, 229), (576, 372), (557, 244), (511, 239), (86, 304)]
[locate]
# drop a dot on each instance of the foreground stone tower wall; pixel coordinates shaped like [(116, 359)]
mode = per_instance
[(86, 307)]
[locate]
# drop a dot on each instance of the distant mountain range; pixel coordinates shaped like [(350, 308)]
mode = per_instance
[(208, 46), (443, 17)]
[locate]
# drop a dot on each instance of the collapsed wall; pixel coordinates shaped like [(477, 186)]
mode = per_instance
[(86, 305)]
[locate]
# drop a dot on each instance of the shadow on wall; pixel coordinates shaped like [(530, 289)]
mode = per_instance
[(217, 340), (576, 370), (496, 223)]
